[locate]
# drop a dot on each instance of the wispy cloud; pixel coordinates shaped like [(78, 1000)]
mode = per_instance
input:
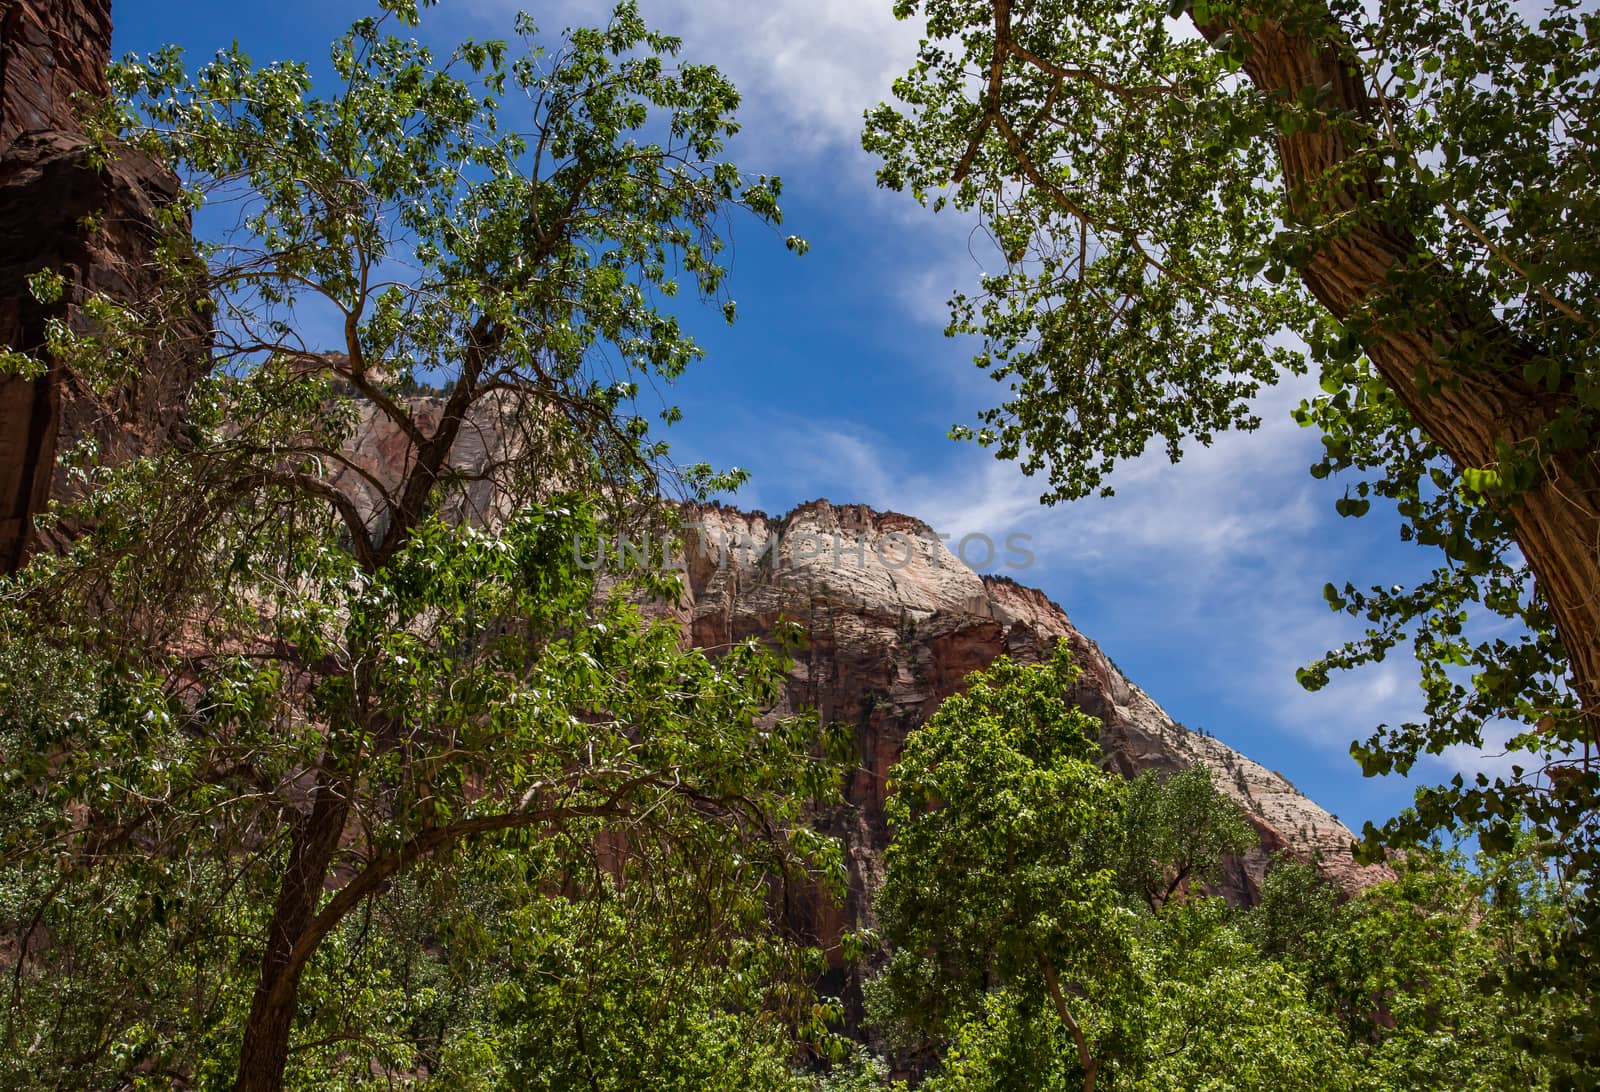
[(806, 70), (1214, 563), (1222, 556)]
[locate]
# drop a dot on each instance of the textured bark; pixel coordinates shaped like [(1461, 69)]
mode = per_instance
[(50, 52), (265, 1047), (1557, 522)]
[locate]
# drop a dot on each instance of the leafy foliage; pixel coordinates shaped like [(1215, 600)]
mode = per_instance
[(336, 775), (1043, 931), (1039, 939), (1186, 210), (1176, 832), (1410, 968), (1113, 163), (157, 817), (999, 816)]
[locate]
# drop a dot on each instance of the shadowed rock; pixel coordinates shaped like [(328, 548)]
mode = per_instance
[(97, 227)]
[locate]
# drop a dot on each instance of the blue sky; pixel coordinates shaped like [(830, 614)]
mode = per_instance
[(1202, 580)]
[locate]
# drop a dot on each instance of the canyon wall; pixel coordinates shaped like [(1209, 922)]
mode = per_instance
[(97, 225), (896, 621)]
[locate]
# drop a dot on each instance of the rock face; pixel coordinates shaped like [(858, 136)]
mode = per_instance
[(50, 190), (896, 622), (379, 454), (52, 50)]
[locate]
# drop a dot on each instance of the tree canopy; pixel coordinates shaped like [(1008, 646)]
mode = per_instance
[(1192, 201), (1045, 920), (1048, 927), (316, 772), (277, 706)]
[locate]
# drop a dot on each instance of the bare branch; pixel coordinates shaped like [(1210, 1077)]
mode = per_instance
[(360, 536)]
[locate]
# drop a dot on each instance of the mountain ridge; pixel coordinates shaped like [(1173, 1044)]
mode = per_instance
[(896, 622), (889, 642)]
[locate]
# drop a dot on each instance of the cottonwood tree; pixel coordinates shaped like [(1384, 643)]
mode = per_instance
[(1407, 188), (277, 680), (1041, 931), (999, 869), (1400, 966), (1176, 832)]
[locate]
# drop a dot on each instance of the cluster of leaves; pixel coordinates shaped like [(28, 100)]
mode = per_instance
[(1116, 165), (603, 778), (1029, 947), (332, 775), (1024, 894), (498, 227), (1411, 969), (1155, 269)]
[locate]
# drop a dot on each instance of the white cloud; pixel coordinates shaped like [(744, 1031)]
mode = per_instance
[(1220, 556), (806, 70), (1235, 502), (1489, 760)]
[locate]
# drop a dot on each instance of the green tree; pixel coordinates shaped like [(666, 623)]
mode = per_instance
[(1212, 1013), (1044, 919), (1401, 967), (270, 685), (580, 751), (1180, 190), (1000, 869), (662, 973), (621, 1001), (1176, 831)]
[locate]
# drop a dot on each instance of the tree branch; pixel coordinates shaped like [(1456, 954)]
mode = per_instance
[(360, 537), (1089, 1062)]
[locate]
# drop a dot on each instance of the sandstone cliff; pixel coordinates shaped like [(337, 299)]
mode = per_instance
[(95, 225), (897, 620)]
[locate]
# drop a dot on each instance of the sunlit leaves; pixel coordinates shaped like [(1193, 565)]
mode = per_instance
[(1029, 894), (1117, 175), (257, 643), (1147, 275)]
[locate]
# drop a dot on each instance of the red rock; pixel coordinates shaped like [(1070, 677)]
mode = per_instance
[(50, 51), (890, 642)]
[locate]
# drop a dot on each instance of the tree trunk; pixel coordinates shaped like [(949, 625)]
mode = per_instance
[(1557, 521), (266, 1035), (1086, 1058)]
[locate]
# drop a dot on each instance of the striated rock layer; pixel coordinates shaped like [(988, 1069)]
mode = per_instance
[(896, 622), (96, 225)]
